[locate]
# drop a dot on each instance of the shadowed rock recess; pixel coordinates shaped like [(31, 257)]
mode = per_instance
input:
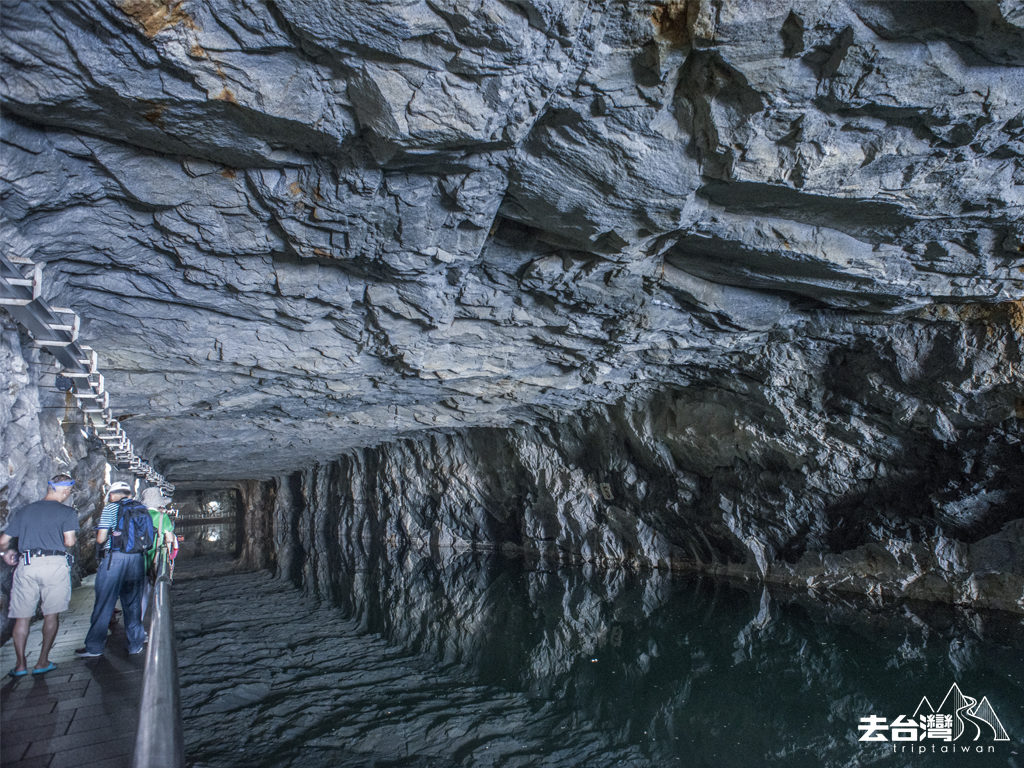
[(728, 285)]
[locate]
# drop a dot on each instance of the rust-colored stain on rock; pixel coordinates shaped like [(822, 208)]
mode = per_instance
[(1015, 315), (155, 114), (154, 16), (685, 22), (673, 21), (995, 317), (1006, 313)]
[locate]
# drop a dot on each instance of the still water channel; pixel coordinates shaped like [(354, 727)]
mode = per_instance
[(483, 660)]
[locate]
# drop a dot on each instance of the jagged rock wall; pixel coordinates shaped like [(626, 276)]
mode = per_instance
[(28, 449), (41, 433), (854, 462)]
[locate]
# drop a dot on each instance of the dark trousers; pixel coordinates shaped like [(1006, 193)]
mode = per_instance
[(118, 576)]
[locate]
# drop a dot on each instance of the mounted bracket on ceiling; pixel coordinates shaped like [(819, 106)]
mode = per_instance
[(56, 329)]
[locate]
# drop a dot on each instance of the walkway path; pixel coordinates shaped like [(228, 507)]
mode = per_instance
[(76, 716)]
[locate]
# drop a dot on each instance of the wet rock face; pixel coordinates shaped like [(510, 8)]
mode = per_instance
[(768, 253)]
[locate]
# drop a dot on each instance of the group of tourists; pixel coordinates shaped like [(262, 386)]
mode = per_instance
[(128, 538)]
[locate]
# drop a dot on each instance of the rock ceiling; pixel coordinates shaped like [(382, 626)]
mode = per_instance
[(297, 227)]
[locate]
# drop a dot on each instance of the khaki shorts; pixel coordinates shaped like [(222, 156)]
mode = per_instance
[(46, 580)]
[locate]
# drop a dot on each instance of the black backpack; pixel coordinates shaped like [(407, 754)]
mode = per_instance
[(134, 530)]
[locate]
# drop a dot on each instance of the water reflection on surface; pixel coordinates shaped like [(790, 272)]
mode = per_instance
[(199, 539), (207, 523), (689, 671)]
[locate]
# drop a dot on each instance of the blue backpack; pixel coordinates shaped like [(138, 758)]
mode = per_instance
[(134, 530)]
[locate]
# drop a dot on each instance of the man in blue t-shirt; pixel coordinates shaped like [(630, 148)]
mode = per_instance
[(118, 575), (43, 576)]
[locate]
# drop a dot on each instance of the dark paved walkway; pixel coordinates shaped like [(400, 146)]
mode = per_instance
[(77, 716)]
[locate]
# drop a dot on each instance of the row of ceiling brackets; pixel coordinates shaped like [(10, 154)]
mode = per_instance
[(55, 329)]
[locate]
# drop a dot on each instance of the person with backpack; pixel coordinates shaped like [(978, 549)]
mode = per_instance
[(157, 504), (125, 532)]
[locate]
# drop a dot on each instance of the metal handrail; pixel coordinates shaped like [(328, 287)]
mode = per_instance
[(159, 742)]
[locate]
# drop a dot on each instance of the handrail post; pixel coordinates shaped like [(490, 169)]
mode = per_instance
[(159, 742)]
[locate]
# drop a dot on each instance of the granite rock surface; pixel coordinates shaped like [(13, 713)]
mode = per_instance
[(754, 266)]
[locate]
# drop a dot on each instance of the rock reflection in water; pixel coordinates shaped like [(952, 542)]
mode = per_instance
[(198, 539), (477, 660), (692, 671)]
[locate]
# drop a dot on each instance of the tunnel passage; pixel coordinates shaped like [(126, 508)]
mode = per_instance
[(736, 291), (730, 288), (209, 522)]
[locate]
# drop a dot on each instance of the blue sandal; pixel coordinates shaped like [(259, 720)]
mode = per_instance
[(17, 673), (44, 670)]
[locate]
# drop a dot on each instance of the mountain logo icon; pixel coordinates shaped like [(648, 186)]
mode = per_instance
[(958, 717), (971, 718)]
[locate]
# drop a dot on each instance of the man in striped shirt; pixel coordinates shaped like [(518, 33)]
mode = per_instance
[(119, 575)]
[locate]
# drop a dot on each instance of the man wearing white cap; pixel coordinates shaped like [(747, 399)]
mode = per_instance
[(119, 575)]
